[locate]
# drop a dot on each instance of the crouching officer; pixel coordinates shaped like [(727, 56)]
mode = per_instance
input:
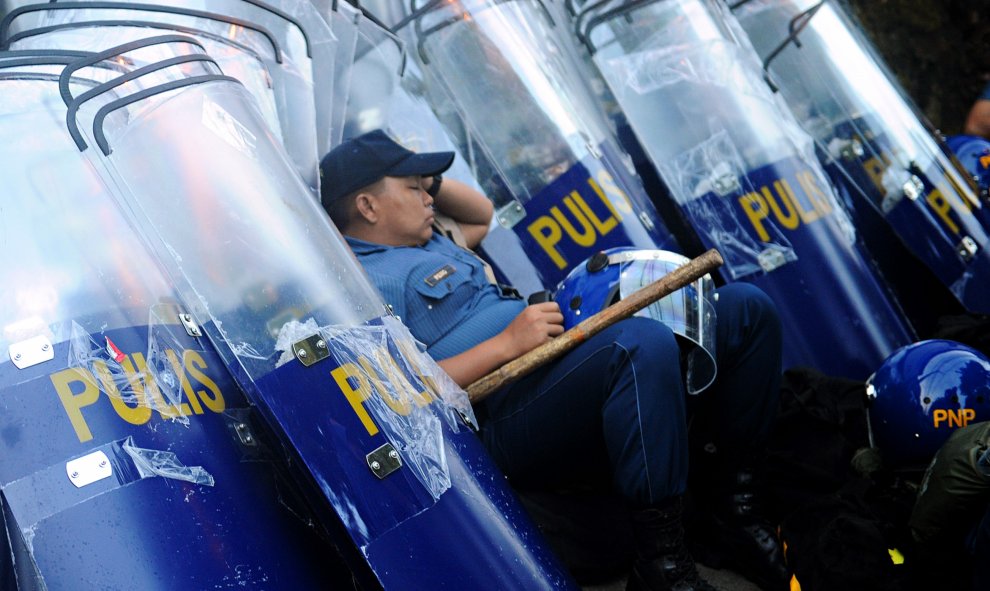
[(616, 402)]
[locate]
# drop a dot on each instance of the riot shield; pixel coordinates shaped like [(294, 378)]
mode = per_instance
[(379, 62), (273, 61), (510, 93), (379, 436), (875, 144), (129, 457), (741, 171), (395, 95), (343, 20)]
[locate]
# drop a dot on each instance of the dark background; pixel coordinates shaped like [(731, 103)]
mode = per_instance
[(939, 50)]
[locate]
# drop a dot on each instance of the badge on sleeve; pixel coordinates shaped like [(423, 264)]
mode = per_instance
[(439, 275)]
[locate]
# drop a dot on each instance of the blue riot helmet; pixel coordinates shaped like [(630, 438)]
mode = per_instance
[(610, 275), (973, 152), (922, 393)]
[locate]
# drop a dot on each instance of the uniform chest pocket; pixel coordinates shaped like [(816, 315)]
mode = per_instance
[(446, 285), (441, 299)]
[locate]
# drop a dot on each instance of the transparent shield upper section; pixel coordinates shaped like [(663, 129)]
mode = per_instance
[(233, 60), (842, 95), (24, 25), (676, 68), (247, 248), (528, 110), (378, 66), (268, 52), (343, 20), (68, 253)]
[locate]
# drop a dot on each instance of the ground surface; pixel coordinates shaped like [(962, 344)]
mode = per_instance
[(722, 580)]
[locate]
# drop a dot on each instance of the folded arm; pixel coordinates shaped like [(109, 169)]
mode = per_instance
[(470, 209)]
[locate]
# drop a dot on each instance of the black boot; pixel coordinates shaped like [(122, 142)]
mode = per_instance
[(738, 536), (663, 562), (758, 552)]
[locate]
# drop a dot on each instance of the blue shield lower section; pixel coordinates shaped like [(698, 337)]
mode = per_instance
[(940, 223), (462, 527), (781, 230), (595, 205), (147, 531), (204, 489), (446, 518)]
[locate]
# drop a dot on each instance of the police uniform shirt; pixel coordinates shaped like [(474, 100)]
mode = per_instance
[(440, 291)]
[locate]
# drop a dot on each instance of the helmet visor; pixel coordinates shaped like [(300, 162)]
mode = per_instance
[(689, 312)]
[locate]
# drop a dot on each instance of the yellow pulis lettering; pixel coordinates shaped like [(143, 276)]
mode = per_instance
[(608, 183), (73, 402), (134, 393), (819, 199), (173, 360), (355, 395), (148, 384), (756, 210), (194, 362), (941, 206), (399, 403), (547, 234), (395, 376), (602, 227), (138, 414), (412, 354), (586, 237), (790, 220)]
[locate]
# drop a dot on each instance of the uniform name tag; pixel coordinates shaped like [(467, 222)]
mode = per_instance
[(439, 275)]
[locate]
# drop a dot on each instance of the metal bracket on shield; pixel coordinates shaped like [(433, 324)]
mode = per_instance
[(192, 329), (647, 221), (88, 469), (467, 420), (384, 460), (723, 181), (851, 149), (510, 214), (244, 434), (771, 259), (967, 248), (311, 350), (914, 188), (31, 351)]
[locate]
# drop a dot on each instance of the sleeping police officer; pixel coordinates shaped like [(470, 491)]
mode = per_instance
[(616, 402)]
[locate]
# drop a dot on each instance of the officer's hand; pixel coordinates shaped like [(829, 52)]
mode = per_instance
[(534, 326)]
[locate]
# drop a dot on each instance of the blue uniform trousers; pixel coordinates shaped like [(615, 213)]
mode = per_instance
[(615, 406)]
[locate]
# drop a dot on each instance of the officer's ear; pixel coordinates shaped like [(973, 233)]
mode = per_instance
[(367, 206)]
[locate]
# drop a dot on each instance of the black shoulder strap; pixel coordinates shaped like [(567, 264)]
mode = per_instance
[(449, 228)]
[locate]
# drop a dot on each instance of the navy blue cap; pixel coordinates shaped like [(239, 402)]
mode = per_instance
[(366, 159)]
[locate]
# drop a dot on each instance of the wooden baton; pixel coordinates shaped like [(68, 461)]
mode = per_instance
[(624, 308)]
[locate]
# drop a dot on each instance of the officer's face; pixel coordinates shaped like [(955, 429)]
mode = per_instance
[(406, 215)]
